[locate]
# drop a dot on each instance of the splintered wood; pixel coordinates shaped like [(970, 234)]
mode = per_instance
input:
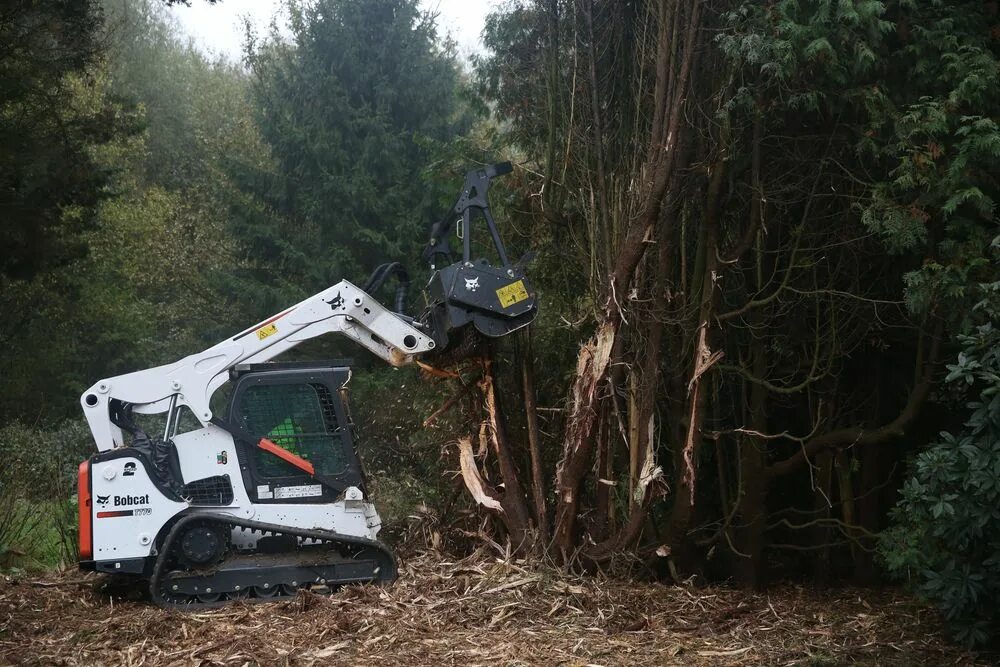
[(591, 366), (473, 480), (472, 612)]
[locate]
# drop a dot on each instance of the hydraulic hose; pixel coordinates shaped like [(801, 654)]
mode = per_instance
[(382, 273)]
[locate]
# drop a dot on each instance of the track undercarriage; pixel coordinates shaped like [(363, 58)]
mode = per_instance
[(314, 559)]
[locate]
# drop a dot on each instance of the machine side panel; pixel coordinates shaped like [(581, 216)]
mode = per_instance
[(85, 509), (127, 508), (208, 452), (344, 516)]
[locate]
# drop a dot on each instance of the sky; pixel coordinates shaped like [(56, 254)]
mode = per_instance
[(217, 28)]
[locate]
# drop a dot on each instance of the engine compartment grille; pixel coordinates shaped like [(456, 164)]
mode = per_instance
[(215, 490)]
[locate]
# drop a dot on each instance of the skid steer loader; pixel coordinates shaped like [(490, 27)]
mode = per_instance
[(260, 494)]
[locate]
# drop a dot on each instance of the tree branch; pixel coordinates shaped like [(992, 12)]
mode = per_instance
[(859, 435)]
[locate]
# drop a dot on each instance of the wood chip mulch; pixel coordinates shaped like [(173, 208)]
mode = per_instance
[(476, 612)]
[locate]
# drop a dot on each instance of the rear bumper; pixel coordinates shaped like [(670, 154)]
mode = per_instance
[(123, 566)]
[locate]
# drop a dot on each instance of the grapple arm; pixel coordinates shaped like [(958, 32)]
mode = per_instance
[(493, 300)]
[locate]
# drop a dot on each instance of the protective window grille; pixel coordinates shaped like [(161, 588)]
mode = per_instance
[(300, 418), (326, 404), (216, 490)]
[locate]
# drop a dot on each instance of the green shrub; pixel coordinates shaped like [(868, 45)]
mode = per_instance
[(38, 505), (44, 462), (22, 530), (946, 533)]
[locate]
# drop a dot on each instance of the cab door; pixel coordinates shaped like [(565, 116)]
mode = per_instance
[(301, 413)]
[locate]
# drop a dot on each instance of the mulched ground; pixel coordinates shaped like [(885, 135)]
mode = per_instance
[(476, 612)]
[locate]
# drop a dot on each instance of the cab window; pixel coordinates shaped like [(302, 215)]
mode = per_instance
[(300, 418)]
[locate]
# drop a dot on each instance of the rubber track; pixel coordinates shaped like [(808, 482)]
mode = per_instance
[(235, 522)]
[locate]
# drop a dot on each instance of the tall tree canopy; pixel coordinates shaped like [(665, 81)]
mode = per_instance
[(350, 106), (123, 266), (781, 213), (50, 181)]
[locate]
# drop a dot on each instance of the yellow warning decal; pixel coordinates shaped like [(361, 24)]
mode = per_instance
[(511, 294), (266, 331)]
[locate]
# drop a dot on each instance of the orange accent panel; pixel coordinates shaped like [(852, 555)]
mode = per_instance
[(287, 456), (83, 501)]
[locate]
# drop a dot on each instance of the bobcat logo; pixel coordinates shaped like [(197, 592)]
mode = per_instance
[(103, 500), (472, 284), (336, 302)]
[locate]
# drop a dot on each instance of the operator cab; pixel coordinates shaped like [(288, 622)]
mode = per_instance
[(293, 431)]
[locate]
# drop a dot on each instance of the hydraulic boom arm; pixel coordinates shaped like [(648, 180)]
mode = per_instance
[(341, 309)]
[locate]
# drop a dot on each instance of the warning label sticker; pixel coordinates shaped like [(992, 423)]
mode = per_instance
[(266, 331), (298, 491), (511, 294)]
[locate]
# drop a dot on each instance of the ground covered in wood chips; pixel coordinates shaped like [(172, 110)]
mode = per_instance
[(476, 612)]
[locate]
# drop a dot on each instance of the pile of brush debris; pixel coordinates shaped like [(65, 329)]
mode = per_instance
[(476, 611)]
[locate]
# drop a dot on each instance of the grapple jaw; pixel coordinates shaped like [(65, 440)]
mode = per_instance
[(495, 301), (468, 294)]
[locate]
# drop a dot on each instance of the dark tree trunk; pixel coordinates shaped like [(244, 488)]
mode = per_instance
[(595, 357), (869, 512), (821, 533), (534, 439)]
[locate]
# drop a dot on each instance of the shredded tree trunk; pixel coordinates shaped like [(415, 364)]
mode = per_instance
[(676, 53)]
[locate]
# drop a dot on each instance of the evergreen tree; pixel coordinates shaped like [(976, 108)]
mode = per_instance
[(50, 181), (138, 289), (935, 128), (351, 107)]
